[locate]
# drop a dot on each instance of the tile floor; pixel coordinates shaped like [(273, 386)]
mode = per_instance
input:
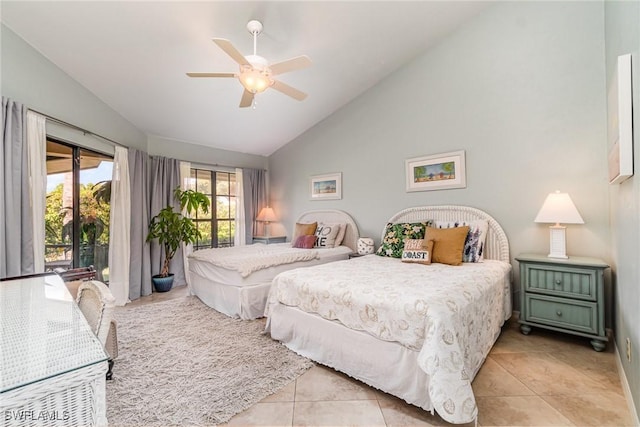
[(544, 379)]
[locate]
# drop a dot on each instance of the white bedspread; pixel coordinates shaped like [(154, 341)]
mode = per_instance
[(247, 259), (450, 315)]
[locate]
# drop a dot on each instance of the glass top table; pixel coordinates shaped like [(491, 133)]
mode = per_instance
[(43, 333)]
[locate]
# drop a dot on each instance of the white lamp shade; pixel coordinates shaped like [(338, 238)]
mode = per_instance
[(559, 208), (267, 215)]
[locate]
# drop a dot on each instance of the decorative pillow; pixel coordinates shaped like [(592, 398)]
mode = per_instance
[(447, 244), (326, 235), (305, 242), (417, 250), (474, 244), (303, 230), (395, 235), (341, 233)]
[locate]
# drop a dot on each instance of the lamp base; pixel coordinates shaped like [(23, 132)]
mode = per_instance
[(557, 242)]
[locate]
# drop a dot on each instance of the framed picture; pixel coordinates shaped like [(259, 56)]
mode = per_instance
[(325, 187), (620, 129), (438, 172)]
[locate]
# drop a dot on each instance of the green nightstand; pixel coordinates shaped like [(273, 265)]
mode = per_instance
[(565, 295)]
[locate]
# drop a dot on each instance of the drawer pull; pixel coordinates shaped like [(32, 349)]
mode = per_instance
[(559, 313), (558, 282)]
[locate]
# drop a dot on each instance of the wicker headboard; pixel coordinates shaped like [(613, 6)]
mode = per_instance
[(336, 216), (496, 245)]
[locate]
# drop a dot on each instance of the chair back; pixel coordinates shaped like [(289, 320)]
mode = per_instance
[(96, 303)]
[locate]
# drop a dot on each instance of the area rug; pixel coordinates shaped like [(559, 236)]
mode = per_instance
[(183, 363)]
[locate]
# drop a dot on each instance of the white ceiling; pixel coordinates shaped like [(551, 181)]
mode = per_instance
[(134, 56)]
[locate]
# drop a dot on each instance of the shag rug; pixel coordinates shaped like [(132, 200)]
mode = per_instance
[(183, 363)]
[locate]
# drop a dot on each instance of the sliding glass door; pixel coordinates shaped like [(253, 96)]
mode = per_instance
[(77, 208)]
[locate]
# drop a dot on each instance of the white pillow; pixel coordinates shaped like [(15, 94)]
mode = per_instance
[(341, 233), (474, 244), (327, 234)]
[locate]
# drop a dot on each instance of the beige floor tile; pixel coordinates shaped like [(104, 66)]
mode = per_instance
[(518, 411), (546, 375), (353, 413), (494, 380), (601, 366), (511, 340), (322, 383), (265, 414), (398, 413), (286, 394), (602, 409)]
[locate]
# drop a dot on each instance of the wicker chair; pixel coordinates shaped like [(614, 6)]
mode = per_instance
[(96, 303)]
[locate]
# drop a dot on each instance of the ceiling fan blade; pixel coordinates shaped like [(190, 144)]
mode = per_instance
[(226, 45), (211, 74), (247, 99), (288, 90), (292, 64)]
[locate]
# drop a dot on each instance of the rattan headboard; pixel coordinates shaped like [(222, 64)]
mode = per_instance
[(336, 216), (496, 244)]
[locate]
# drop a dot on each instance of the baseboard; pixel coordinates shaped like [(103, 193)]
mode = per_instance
[(625, 387)]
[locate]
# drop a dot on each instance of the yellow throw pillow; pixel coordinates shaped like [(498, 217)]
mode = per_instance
[(448, 244), (303, 230), (417, 250)]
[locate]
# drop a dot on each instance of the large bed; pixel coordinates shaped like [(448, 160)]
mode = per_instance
[(419, 332), (242, 290)]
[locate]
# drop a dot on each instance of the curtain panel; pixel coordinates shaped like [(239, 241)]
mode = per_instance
[(16, 220), (140, 259), (37, 170), (153, 179), (120, 227), (240, 236), (255, 198)]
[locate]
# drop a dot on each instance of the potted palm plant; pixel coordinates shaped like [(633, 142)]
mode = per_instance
[(172, 228)]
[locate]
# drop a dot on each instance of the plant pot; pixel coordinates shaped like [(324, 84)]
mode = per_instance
[(162, 284)]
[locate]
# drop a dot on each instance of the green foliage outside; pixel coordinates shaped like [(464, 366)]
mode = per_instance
[(94, 218)]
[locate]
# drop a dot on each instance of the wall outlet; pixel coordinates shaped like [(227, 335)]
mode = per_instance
[(628, 350)]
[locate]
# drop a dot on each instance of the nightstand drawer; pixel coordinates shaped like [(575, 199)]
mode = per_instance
[(577, 315), (561, 281)]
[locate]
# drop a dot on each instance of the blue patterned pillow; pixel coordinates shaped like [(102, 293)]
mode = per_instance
[(474, 244), (395, 235)]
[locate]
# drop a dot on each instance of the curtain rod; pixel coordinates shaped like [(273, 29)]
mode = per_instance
[(84, 131)]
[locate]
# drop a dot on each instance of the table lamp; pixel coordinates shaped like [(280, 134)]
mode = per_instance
[(266, 215), (558, 208)]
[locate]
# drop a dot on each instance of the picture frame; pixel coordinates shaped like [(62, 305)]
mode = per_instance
[(443, 171), (620, 123), (326, 187)]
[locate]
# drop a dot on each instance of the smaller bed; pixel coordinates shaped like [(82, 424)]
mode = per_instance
[(242, 291)]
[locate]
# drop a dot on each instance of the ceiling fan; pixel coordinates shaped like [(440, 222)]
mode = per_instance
[(256, 74)]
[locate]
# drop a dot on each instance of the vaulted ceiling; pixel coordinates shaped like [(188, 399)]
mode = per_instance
[(134, 56)]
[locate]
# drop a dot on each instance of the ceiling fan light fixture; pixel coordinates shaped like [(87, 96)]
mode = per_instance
[(255, 81)]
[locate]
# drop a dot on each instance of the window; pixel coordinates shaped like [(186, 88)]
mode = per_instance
[(217, 226), (77, 208)]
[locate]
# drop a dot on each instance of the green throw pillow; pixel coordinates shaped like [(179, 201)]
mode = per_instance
[(395, 234)]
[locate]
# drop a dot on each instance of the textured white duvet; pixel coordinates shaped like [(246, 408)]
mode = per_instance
[(247, 259), (450, 315)]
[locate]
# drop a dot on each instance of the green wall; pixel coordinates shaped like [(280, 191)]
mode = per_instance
[(520, 88), (622, 35)]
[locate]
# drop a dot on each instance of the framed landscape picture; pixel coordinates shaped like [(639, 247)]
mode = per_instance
[(327, 186), (437, 172)]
